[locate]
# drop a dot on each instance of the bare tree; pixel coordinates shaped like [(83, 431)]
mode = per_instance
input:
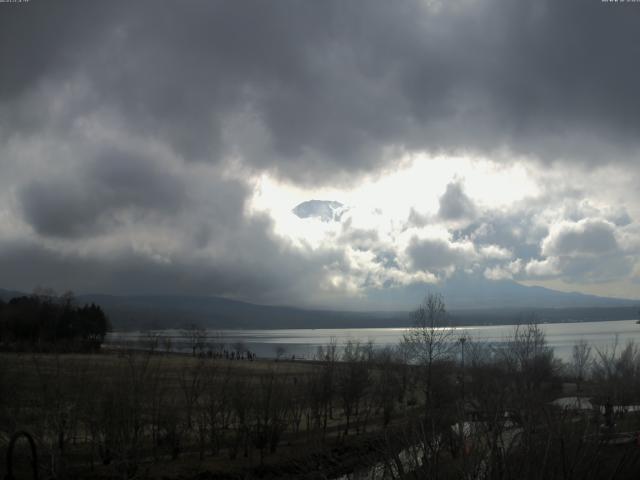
[(217, 342), (63, 386), (167, 344), (216, 409), (353, 379), (580, 360), (387, 383), (151, 341), (280, 351), (196, 337), (430, 338), (191, 379), (239, 348), (529, 356), (269, 412), (242, 402), (617, 372), (324, 386)]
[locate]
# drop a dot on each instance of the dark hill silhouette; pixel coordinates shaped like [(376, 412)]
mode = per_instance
[(468, 303)]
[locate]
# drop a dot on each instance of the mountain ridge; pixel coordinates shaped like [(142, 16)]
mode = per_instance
[(177, 311)]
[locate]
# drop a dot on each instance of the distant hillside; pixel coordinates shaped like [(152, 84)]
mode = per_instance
[(463, 292), (169, 311), (7, 295), (150, 311)]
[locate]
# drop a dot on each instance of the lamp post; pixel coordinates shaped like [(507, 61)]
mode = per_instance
[(462, 342)]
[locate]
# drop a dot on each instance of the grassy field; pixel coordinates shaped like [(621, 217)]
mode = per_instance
[(135, 414), (126, 414)]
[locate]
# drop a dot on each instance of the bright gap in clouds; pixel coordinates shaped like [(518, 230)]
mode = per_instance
[(384, 203)]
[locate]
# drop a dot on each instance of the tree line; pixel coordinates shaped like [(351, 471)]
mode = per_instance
[(45, 321)]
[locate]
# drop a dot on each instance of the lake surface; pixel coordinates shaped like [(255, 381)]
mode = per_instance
[(303, 343)]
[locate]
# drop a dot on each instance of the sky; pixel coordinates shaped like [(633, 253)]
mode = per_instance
[(319, 153)]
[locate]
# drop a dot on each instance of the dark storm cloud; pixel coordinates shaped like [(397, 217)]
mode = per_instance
[(333, 84), (85, 203), (316, 92), (45, 39), (275, 274)]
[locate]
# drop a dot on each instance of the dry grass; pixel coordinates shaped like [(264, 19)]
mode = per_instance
[(38, 390)]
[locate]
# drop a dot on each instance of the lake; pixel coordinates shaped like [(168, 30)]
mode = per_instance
[(303, 343)]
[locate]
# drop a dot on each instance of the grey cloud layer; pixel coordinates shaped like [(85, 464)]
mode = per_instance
[(455, 204), (586, 237), (118, 119), (116, 181), (327, 87)]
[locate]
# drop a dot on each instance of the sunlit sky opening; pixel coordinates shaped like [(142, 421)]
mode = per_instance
[(384, 203)]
